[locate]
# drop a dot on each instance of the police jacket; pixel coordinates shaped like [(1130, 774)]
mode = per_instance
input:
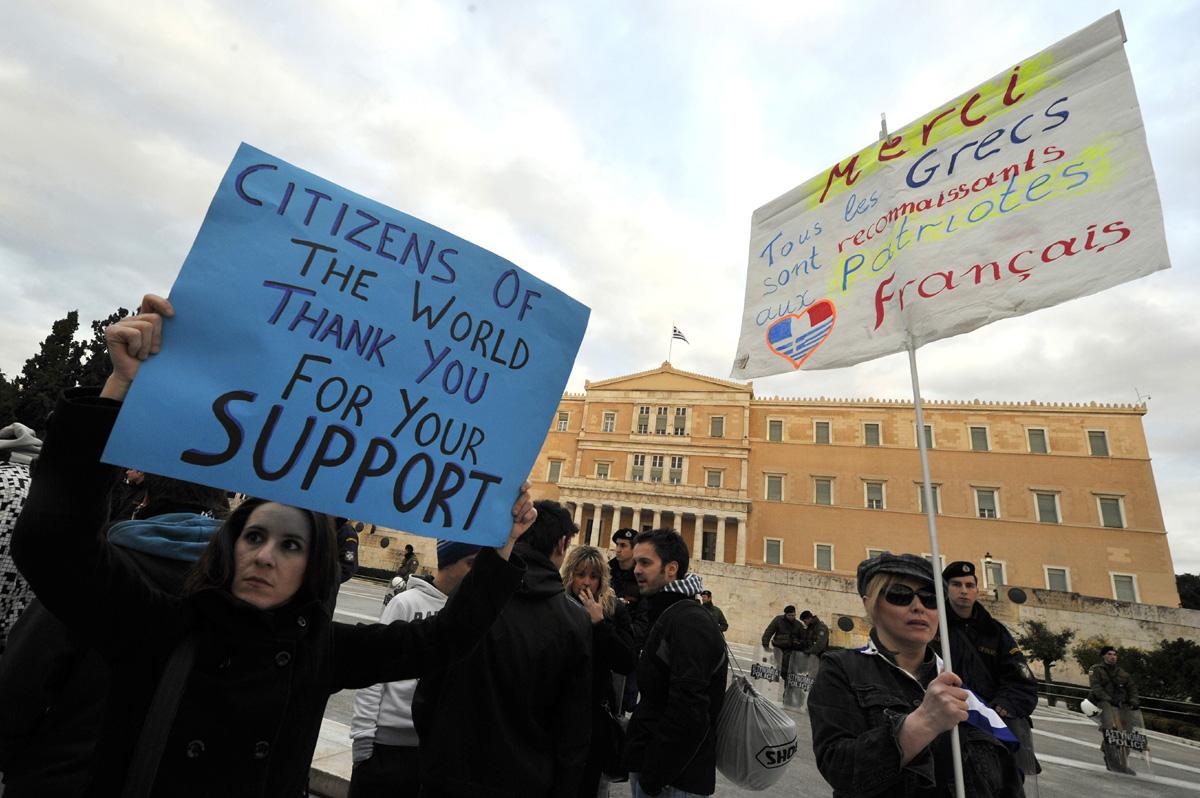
[(784, 634), (857, 704), (816, 638), (1112, 684), (681, 675), (252, 703), (512, 720), (999, 673)]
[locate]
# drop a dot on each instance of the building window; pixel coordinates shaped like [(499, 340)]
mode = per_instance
[(871, 434), (712, 478), (993, 572), (1098, 442), (874, 552), (874, 494), (638, 472), (937, 499), (676, 475), (773, 551), (823, 490), (941, 560), (680, 427), (708, 545), (1112, 514), (610, 422), (821, 432), (1124, 587), (660, 420), (602, 470), (985, 503), (1057, 579), (823, 556), (1047, 507), (554, 471), (1037, 440), (979, 439), (928, 436), (774, 487), (775, 429), (716, 427), (656, 468), (563, 418)]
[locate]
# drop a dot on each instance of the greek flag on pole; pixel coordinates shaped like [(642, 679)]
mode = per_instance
[(981, 716), (675, 333)]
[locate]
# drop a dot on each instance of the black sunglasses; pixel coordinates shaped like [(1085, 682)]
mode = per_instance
[(902, 596)]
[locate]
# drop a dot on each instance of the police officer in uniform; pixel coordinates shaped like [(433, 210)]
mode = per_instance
[(999, 674)]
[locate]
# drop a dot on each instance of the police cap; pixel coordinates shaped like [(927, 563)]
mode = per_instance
[(958, 569)]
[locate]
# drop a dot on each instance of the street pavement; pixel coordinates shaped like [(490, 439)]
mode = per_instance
[(1067, 744)]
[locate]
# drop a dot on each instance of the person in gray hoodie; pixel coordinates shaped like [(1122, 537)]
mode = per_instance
[(383, 738), (53, 687)]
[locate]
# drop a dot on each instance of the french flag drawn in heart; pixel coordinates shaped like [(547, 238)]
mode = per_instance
[(797, 335)]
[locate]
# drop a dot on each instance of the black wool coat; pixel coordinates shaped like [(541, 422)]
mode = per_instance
[(252, 704), (681, 674)]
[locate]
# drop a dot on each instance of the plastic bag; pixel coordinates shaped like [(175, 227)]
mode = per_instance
[(755, 739)]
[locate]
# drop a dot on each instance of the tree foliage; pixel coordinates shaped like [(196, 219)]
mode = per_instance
[(52, 370), (96, 363), (1169, 670), (60, 363), (1043, 645), (1189, 590)]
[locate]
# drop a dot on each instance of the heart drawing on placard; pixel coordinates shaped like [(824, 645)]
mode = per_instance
[(796, 336)]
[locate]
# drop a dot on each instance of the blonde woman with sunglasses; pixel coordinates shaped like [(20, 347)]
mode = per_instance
[(881, 715)]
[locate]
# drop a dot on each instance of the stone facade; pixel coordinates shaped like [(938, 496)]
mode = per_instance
[(750, 597), (1041, 495)]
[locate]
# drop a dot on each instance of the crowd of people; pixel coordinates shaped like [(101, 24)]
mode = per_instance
[(193, 650)]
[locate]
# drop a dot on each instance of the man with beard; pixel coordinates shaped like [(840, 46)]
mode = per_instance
[(671, 743)]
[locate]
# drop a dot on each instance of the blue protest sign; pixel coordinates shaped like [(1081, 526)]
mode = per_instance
[(333, 353)]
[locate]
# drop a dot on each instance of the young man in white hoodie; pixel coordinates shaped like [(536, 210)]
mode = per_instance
[(383, 738)]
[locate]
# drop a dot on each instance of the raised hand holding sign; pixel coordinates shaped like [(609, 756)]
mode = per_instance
[(330, 352)]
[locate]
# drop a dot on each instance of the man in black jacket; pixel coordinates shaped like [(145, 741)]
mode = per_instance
[(999, 674), (672, 736), (513, 718)]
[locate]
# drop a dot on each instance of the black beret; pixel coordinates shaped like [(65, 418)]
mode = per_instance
[(958, 568), (624, 534)]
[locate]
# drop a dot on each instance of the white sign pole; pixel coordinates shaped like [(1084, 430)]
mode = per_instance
[(943, 623)]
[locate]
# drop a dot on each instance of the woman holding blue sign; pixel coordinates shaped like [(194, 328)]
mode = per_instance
[(220, 692)]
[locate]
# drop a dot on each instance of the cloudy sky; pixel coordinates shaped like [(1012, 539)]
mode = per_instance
[(616, 149)]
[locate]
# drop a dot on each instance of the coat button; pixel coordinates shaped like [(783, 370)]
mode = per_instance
[(262, 749), (195, 748), (302, 622), (282, 659)]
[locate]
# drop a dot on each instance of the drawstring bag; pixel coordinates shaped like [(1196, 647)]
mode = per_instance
[(755, 739)]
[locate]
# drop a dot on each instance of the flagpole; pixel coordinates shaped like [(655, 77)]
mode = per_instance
[(671, 344), (931, 522), (935, 556)]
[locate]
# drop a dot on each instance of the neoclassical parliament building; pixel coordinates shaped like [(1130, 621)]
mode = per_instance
[(1047, 496)]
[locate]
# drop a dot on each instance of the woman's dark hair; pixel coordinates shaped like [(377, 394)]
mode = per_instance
[(216, 566)]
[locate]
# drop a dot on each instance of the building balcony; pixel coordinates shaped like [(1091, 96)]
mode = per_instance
[(645, 491)]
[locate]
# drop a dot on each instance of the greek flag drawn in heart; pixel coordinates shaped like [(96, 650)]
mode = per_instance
[(797, 335)]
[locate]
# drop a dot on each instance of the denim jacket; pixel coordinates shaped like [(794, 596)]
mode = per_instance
[(857, 705)]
